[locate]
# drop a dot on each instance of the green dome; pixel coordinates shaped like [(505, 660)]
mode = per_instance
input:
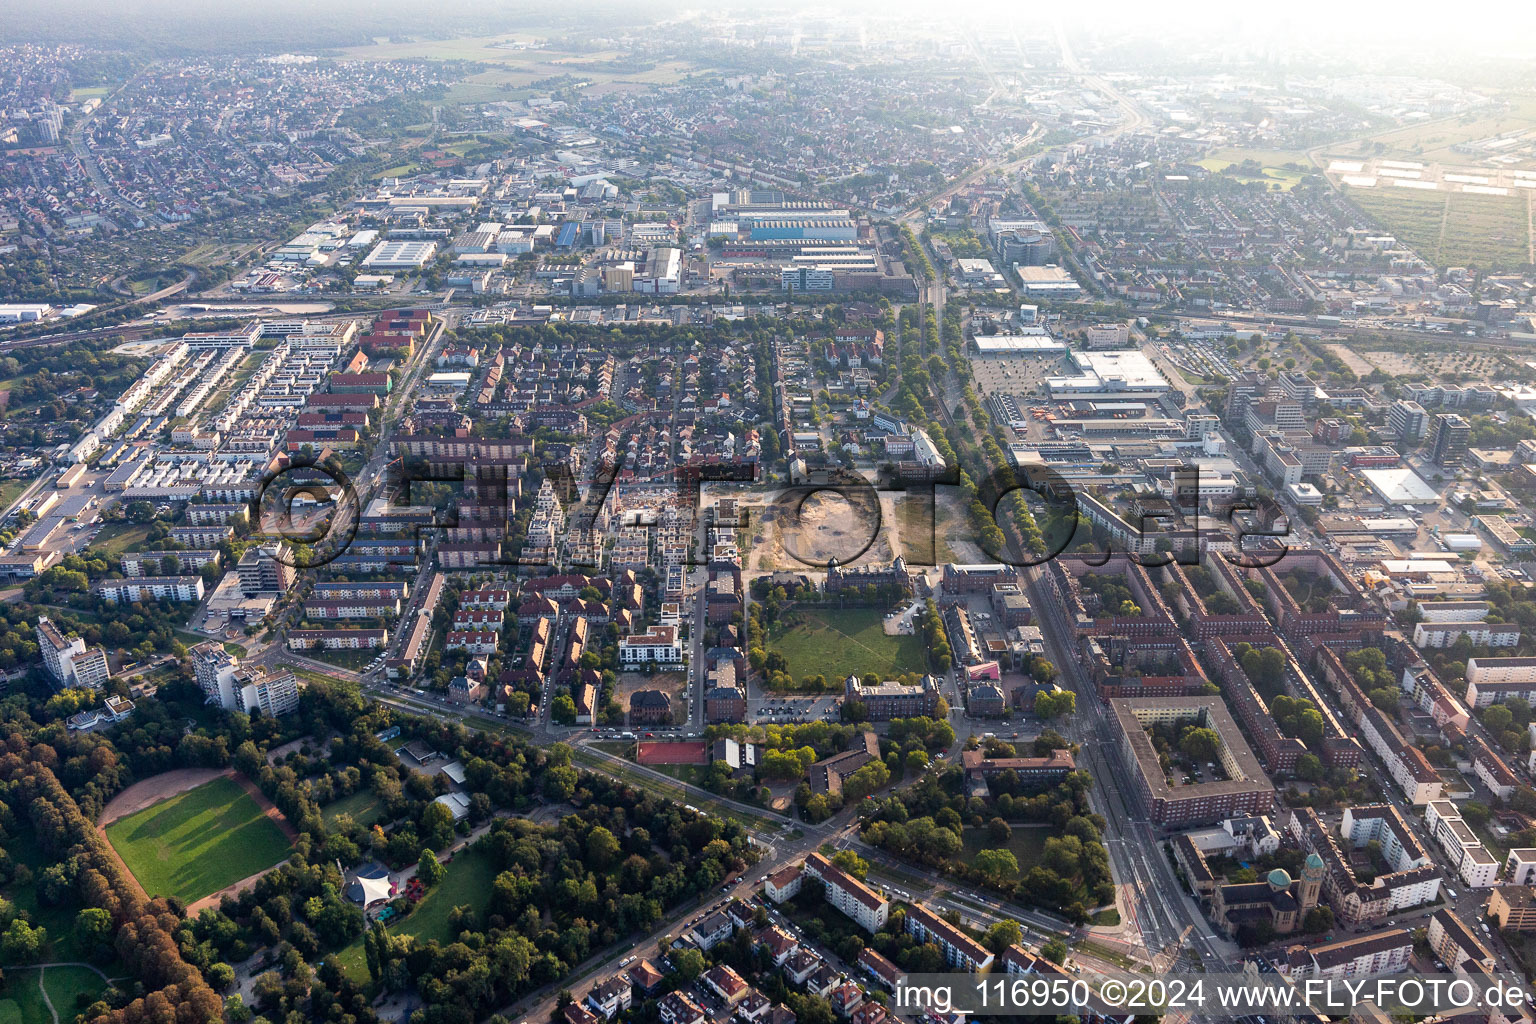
[(1278, 879), (1314, 861)]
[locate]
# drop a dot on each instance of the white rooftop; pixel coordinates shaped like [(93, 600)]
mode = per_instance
[(1399, 486)]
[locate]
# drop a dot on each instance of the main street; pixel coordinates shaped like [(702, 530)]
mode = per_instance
[(1159, 908)]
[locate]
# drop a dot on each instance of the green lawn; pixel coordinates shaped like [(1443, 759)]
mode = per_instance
[(66, 984), (115, 538), (198, 842), (837, 643), (364, 807), (348, 659), (88, 92), (1027, 843), (468, 881), (21, 1001)]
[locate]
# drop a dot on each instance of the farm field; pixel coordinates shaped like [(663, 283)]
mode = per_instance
[(198, 842), (514, 71), (1436, 142), (469, 878), (837, 643), (1452, 229)]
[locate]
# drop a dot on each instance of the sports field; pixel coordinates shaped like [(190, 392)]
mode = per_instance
[(837, 643), (198, 842)]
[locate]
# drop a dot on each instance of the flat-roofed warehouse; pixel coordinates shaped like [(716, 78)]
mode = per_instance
[(1121, 372), (1245, 790), (406, 255)]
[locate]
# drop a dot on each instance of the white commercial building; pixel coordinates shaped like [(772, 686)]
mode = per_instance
[(400, 255)]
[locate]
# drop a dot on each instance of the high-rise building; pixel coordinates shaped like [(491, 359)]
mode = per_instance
[(68, 660), (91, 669), (1448, 447), (1407, 421), (265, 570), (209, 658), (225, 683)]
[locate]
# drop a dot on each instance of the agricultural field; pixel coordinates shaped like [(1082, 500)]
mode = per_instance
[(1452, 229), (837, 643), (198, 842), (513, 70), (1435, 141), (466, 883)]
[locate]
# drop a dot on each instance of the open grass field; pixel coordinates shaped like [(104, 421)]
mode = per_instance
[(88, 92), (21, 1001), (66, 986), (354, 660), (115, 538), (11, 489), (837, 643), (1452, 229), (198, 842), (1279, 167), (364, 807), (468, 880), (1027, 843)]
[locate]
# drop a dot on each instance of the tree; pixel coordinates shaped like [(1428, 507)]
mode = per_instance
[(1055, 951), (852, 863), (94, 931), (1200, 744), (602, 849), (563, 709), (1053, 704), (997, 865), (1004, 934), (429, 869), (22, 943), (688, 961)]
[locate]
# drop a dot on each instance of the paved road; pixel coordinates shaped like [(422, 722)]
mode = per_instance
[(1165, 916)]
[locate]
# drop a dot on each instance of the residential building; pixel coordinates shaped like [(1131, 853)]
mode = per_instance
[(151, 588), (960, 950), (849, 895)]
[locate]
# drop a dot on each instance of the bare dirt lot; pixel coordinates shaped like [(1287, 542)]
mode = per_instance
[(154, 789), (671, 683)]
